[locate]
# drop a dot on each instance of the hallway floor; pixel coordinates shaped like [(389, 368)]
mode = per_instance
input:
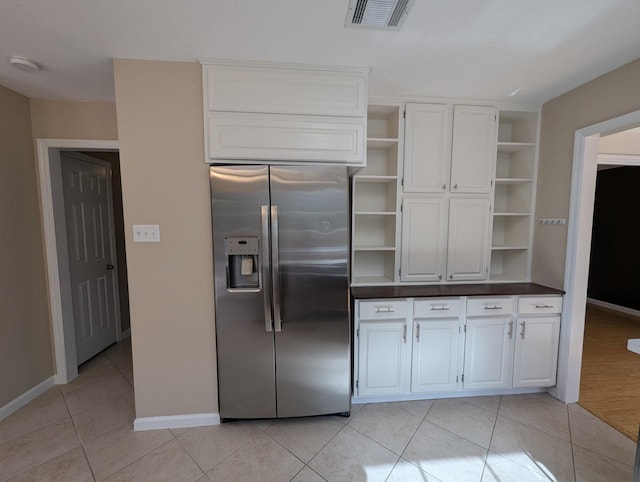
[(83, 432), (610, 380)]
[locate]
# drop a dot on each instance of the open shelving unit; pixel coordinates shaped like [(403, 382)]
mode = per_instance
[(516, 165), (375, 200)]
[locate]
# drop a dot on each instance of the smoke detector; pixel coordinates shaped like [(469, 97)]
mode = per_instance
[(24, 64), (378, 14)]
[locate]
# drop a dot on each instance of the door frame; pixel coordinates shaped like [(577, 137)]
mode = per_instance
[(54, 238), (580, 224)]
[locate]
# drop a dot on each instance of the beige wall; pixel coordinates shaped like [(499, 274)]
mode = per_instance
[(627, 142), (165, 181), (25, 337), (53, 119), (609, 96)]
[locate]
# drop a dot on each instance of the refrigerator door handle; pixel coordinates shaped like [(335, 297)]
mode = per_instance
[(275, 270), (266, 278)]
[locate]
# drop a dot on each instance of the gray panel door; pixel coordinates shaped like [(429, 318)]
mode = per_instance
[(313, 360), (246, 372), (90, 237)]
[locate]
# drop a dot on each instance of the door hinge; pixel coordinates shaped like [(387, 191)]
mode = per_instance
[(402, 182), (404, 114), (465, 328), (358, 332), (402, 206), (399, 271), (357, 383)]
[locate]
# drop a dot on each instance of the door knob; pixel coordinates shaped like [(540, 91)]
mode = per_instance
[(109, 267)]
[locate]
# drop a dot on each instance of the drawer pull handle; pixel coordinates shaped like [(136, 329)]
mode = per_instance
[(544, 306), (510, 332), (439, 308), (404, 333), (384, 309), (492, 307), (524, 324)]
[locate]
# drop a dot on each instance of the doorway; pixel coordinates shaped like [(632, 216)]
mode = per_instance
[(49, 153), (583, 182)]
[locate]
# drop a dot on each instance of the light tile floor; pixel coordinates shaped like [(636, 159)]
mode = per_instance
[(83, 432)]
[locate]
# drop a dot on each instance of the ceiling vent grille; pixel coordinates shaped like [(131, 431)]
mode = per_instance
[(379, 14)]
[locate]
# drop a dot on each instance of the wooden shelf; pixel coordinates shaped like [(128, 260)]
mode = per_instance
[(381, 143), (513, 180), (515, 146)]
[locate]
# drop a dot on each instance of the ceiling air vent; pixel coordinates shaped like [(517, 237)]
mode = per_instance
[(381, 14)]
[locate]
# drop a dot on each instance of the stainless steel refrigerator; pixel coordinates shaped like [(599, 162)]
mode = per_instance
[(280, 242)]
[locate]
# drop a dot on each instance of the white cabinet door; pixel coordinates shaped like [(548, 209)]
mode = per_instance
[(427, 147), (382, 355), (468, 242), (473, 153), (424, 231), (488, 358), (247, 137), (536, 357), (435, 356)]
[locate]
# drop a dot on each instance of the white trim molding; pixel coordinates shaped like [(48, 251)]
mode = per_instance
[(619, 159), (176, 421), (65, 371), (26, 397)]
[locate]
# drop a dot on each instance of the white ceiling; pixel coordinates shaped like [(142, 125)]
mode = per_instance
[(477, 49)]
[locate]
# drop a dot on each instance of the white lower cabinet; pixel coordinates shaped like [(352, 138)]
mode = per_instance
[(381, 341), (488, 353), (536, 359), (382, 357), (409, 347), (435, 356)]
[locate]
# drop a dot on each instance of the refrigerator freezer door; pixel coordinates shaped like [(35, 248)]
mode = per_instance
[(313, 360), (246, 365)]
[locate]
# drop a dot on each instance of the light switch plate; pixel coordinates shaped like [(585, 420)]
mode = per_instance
[(146, 233)]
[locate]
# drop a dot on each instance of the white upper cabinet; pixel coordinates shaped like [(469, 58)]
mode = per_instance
[(424, 231), (449, 148), (468, 241), (473, 149), (286, 113), (285, 89), (427, 147)]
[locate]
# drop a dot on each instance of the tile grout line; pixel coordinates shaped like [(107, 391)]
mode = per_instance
[(424, 417), (493, 431), (177, 439), (75, 427), (573, 452)]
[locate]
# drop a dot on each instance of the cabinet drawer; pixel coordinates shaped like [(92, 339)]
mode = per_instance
[(490, 306), (437, 308), (529, 305), (382, 310)]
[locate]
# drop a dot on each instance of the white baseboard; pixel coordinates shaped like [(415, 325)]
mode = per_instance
[(611, 306), (176, 421), (26, 397), (458, 394)]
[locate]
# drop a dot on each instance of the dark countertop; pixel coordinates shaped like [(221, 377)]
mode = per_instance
[(429, 291)]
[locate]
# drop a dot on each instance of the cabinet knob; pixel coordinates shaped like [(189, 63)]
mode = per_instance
[(444, 187), (455, 186)]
